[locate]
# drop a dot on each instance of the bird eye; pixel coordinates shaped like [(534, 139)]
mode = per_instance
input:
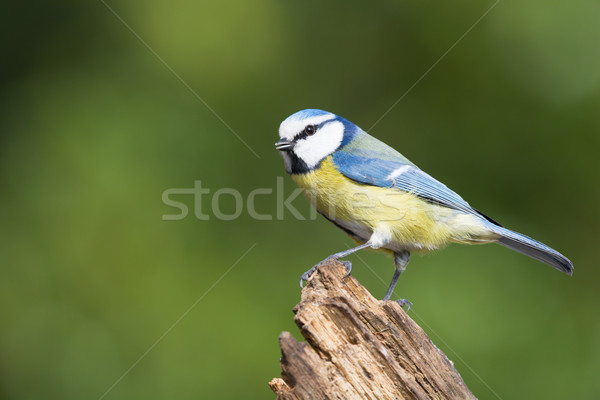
[(310, 130)]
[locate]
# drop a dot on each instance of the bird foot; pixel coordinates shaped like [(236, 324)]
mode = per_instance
[(348, 266), (308, 273), (404, 302)]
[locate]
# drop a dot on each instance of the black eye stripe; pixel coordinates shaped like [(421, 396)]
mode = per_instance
[(303, 134)]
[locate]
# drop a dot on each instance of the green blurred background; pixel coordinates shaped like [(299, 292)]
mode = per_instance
[(94, 127)]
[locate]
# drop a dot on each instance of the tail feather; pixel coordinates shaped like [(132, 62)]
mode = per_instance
[(534, 249)]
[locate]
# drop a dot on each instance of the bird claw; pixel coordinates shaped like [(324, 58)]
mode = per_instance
[(308, 273), (404, 302), (348, 266)]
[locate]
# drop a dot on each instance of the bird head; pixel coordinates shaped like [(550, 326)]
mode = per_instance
[(309, 136)]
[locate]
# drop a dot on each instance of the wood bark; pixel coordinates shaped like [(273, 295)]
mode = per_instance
[(359, 348)]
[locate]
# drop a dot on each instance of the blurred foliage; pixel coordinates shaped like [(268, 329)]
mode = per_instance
[(94, 127)]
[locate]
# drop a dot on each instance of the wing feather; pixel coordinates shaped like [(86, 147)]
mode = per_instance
[(369, 161)]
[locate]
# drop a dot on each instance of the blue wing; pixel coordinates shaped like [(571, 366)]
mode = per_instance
[(369, 161)]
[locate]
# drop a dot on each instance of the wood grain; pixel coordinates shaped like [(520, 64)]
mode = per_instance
[(359, 348)]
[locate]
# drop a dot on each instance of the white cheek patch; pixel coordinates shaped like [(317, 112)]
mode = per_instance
[(291, 127), (324, 142)]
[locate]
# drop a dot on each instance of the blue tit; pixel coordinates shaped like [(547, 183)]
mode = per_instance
[(381, 199)]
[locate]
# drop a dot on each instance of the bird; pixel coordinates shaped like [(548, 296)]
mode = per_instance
[(382, 200)]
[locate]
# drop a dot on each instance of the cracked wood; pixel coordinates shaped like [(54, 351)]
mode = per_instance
[(359, 348)]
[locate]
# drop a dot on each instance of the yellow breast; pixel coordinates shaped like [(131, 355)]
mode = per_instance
[(413, 223)]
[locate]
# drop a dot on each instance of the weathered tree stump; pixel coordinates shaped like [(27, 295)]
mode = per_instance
[(359, 348)]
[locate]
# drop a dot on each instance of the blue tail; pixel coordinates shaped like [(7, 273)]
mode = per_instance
[(532, 248)]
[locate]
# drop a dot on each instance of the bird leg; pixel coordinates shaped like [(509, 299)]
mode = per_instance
[(335, 256), (400, 260)]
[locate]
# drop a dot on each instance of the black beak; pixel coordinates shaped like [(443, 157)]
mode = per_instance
[(284, 145)]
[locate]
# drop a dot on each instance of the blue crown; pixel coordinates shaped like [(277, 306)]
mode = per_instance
[(310, 112)]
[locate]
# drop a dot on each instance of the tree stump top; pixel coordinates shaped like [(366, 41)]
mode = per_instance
[(359, 348)]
